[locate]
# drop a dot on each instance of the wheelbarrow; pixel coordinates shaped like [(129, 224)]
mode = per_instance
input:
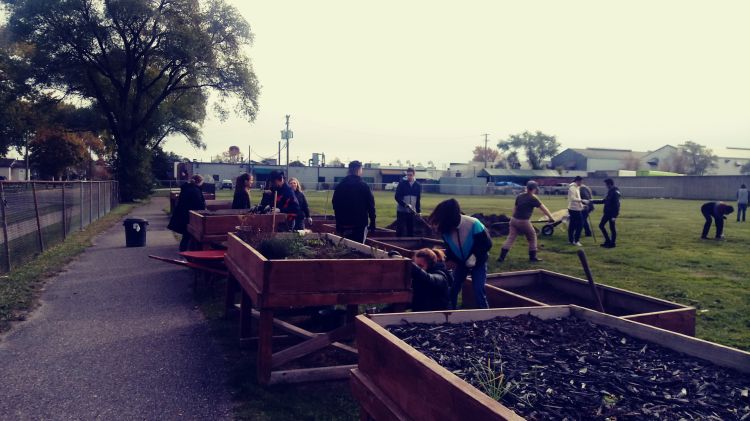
[(206, 264)]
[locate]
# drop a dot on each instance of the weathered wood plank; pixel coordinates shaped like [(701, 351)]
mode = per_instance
[(316, 374), (311, 345), (375, 403)]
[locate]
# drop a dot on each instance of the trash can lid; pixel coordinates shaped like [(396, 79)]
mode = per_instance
[(135, 220)]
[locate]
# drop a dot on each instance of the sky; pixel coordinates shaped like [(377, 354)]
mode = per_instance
[(424, 80)]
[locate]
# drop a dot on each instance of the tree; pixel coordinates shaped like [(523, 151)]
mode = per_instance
[(162, 163), (147, 65), (297, 163), (336, 162), (699, 158), (537, 147), (482, 154), (52, 151), (513, 161), (631, 163), (676, 162), (745, 169)]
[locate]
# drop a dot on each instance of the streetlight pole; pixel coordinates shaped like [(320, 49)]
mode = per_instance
[(286, 135), (485, 150)]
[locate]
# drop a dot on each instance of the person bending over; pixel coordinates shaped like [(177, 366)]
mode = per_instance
[(717, 212), (431, 281), (521, 221), (467, 245)]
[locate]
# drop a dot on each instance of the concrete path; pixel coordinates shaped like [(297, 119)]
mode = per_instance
[(117, 336)]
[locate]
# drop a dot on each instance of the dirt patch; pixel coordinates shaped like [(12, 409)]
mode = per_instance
[(497, 225)]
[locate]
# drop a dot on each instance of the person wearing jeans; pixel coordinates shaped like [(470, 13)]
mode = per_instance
[(575, 211), (467, 245), (742, 198), (611, 211)]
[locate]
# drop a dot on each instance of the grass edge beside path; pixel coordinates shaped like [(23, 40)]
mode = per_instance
[(20, 289)]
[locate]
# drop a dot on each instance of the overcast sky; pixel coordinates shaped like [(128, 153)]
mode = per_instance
[(423, 80)]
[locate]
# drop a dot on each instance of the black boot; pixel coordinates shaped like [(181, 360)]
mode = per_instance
[(503, 254), (532, 256)]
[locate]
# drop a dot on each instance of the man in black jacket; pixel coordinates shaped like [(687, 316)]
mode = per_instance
[(191, 198), (353, 203), (286, 200), (408, 197), (611, 212)]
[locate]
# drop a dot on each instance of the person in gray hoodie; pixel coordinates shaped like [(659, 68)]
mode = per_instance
[(742, 197)]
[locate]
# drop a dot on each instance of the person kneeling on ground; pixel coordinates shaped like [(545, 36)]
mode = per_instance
[(431, 281), (717, 211), (467, 244), (521, 221)]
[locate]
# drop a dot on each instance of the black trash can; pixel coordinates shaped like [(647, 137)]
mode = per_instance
[(135, 232)]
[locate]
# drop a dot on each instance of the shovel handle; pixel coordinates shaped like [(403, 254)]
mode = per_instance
[(590, 277)]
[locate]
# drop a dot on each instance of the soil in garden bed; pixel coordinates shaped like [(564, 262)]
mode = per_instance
[(571, 368), (497, 225), (297, 247)]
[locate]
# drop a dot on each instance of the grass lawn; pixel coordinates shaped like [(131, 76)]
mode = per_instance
[(659, 253)]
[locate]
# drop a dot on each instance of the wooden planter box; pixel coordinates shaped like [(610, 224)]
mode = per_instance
[(379, 232), (542, 287), (208, 227), (268, 285), (319, 220), (214, 205), (175, 194), (394, 381), (406, 246)]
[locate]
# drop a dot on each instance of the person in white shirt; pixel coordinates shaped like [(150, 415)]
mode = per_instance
[(742, 203), (576, 206)]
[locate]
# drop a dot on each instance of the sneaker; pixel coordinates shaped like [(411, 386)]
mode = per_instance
[(609, 246), (577, 243), (605, 245)]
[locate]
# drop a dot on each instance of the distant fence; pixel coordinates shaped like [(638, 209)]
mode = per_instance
[(36, 215)]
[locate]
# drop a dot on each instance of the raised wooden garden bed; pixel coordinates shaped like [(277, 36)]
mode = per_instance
[(379, 232), (212, 227), (319, 220), (607, 359), (542, 287), (406, 246), (270, 285)]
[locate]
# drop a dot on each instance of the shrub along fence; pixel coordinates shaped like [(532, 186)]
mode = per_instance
[(35, 215)]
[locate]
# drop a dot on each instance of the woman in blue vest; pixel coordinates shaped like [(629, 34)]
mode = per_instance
[(467, 244)]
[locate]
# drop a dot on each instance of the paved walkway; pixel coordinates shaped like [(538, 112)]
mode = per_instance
[(117, 336)]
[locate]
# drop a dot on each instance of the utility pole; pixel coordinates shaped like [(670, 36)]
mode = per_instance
[(286, 135), (484, 152)]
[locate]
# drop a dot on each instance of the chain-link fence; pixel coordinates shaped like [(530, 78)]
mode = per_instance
[(39, 214)]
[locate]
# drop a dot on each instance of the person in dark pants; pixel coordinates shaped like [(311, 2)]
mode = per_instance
[(717, 212), (353, 203), (468, 245), (191, 198), (742, 199), (242, 199), (611, 204), (431, 281), (408, 197), (304, 213), (585, 192), (575, 211)]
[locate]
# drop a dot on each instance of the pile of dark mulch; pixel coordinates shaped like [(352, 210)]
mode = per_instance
[(421, 229), (496, 224), (571, 368)]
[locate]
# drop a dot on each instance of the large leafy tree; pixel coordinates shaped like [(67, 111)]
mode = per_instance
[(536, 146), (53, 151), (698, 158), (148, 66)]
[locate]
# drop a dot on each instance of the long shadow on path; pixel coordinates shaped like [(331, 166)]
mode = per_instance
[(117, 336)]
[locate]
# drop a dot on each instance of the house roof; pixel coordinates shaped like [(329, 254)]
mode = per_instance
[(502, 172), (7, 162), (601, 153)]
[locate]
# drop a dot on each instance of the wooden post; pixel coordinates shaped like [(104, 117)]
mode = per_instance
[(5, 227), (38, 221), (80, 184), (273, 218), (246, 315), (590, 277), (64, 222), (265, 342)]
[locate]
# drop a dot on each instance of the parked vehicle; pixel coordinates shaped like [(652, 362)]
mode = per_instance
[(391, 186), (226, 184)]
